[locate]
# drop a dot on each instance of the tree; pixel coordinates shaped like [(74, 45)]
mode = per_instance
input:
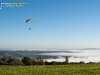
[(40, 60), (66, 60), (9, 60), (54, 63), (81, 62), (1, 62), (16, 61), (27, 60), (46, 62), (34, 62), (5, 58)]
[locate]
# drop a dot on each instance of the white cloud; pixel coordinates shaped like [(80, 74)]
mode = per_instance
[(76, 55)]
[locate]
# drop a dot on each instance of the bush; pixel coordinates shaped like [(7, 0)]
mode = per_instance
[(27, 61)]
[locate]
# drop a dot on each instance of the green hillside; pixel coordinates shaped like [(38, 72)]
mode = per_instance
[(70, 69)]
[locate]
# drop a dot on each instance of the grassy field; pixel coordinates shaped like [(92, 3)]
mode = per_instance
[(71, 69)]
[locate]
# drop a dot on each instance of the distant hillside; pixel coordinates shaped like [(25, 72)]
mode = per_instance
[(21, 54)]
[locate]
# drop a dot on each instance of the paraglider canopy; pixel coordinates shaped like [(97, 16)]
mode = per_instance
[(29, 20)]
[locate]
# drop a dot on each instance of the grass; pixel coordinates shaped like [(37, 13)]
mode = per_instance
[(71, 69)]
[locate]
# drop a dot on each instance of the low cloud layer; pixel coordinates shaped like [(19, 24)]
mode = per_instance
[(76, 55)]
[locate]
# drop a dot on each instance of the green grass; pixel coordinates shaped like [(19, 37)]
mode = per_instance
[(71, 69)]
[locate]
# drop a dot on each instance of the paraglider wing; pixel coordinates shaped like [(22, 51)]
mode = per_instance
[(28, 20), (33, 20)]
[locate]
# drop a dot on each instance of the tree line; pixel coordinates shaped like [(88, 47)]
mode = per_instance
[(40, 60)]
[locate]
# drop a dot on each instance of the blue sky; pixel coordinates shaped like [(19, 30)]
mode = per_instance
[(60, 24)]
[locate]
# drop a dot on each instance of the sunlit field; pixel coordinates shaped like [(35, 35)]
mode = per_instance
[(71, 69)]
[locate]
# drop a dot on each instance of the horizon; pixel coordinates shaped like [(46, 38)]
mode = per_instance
[(50, 49)]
